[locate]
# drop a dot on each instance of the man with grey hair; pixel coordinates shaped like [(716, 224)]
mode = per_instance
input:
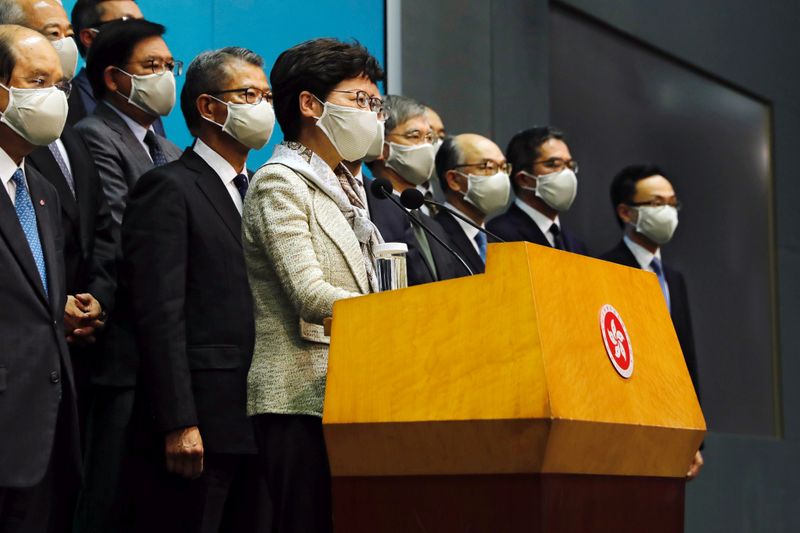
[(39, 449), (182, 250), (406, 161)]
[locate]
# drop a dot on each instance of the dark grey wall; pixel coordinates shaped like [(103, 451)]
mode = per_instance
[(484, 64)]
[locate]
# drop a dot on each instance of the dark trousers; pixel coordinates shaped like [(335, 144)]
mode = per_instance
[(230, 496), (294, 461), (46, 507), (103, 504)]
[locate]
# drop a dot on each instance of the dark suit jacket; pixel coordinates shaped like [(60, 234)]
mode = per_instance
[(515, 225), (461, 244), (679, 303), (82, 102), (120, 160), (35, 374), (192, 306), (396, 227), (118, 155), (89, 246)]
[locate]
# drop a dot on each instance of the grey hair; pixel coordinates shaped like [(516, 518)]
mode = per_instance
[(207, 74), (401, 109), (12, 13)]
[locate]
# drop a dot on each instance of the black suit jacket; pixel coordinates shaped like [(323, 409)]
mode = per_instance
[(89, 246), (515, 225), (35, 374), (396, 227), (191, 302), (461, 244), (679, 303)]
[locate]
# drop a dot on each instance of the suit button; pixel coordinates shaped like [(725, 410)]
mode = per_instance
[(54, 377)]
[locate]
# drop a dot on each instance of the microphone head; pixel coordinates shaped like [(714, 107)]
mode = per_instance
[(412, 199), (381, 188)]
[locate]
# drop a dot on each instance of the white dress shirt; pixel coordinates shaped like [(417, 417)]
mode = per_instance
[(223, 169), (137, 129), (541, 220), (644, 256), (470, 231), (7, 170)]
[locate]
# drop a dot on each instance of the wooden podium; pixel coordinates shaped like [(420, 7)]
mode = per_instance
[(491, 404)]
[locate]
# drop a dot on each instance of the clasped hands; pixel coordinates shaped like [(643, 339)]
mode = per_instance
[(83, 317)]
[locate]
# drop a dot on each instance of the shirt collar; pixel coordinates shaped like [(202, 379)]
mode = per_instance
[(541, 220), (8, 167), (470, 231), (219, 164), (137, 129), (643, 256)]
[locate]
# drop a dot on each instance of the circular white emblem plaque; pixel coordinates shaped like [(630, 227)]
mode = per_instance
[(616, 340)]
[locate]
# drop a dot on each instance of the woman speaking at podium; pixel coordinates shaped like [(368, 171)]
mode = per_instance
[(307, 239)]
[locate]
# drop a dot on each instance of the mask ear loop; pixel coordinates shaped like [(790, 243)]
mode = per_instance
[(226, 116)]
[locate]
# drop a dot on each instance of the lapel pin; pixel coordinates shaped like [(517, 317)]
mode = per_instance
[(41, 202)]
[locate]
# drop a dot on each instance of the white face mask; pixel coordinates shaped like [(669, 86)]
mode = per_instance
[(413, 163), (557, 189), (350, 130), (249, 124), (376, 148), (488, 193), (37, 115), (67, 52), (154, 93), (657, 223)]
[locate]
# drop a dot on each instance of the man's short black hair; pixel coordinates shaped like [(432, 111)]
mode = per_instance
[(623, 186), (86, 14), (114, 47), (525, 148), (316, 66), (8, 54), (448, 157)]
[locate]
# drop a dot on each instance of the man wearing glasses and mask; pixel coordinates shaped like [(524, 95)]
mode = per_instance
[(182, 248), (545, 182), (407, 162), (39, 449), (89, 250), (473, 173), (646, 208), (132, 73), (88, 17)]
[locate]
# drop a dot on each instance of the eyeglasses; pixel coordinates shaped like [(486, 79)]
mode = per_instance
[(160, 67), (658, 202), (416, 136), (557, 164), (64, 86), (488, 167), (365, 101), (251, 94)]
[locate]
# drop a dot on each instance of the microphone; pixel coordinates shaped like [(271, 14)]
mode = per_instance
[(452, 212), (381, 188)]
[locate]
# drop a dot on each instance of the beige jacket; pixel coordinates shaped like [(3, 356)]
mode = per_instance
[(302, 255)]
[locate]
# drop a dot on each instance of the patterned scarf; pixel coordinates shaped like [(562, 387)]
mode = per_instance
[(342, 188)]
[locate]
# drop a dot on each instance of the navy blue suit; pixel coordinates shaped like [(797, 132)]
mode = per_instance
[(679, 303)]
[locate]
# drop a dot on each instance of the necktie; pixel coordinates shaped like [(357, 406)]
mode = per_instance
[(156, 153), (432, 209), (27, 219), (558, 239), (424, 244), (62, 165), (241, 185), (655, 264), (480, 239)]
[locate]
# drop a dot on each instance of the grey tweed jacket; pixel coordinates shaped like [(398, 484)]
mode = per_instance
[(302, 255)]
